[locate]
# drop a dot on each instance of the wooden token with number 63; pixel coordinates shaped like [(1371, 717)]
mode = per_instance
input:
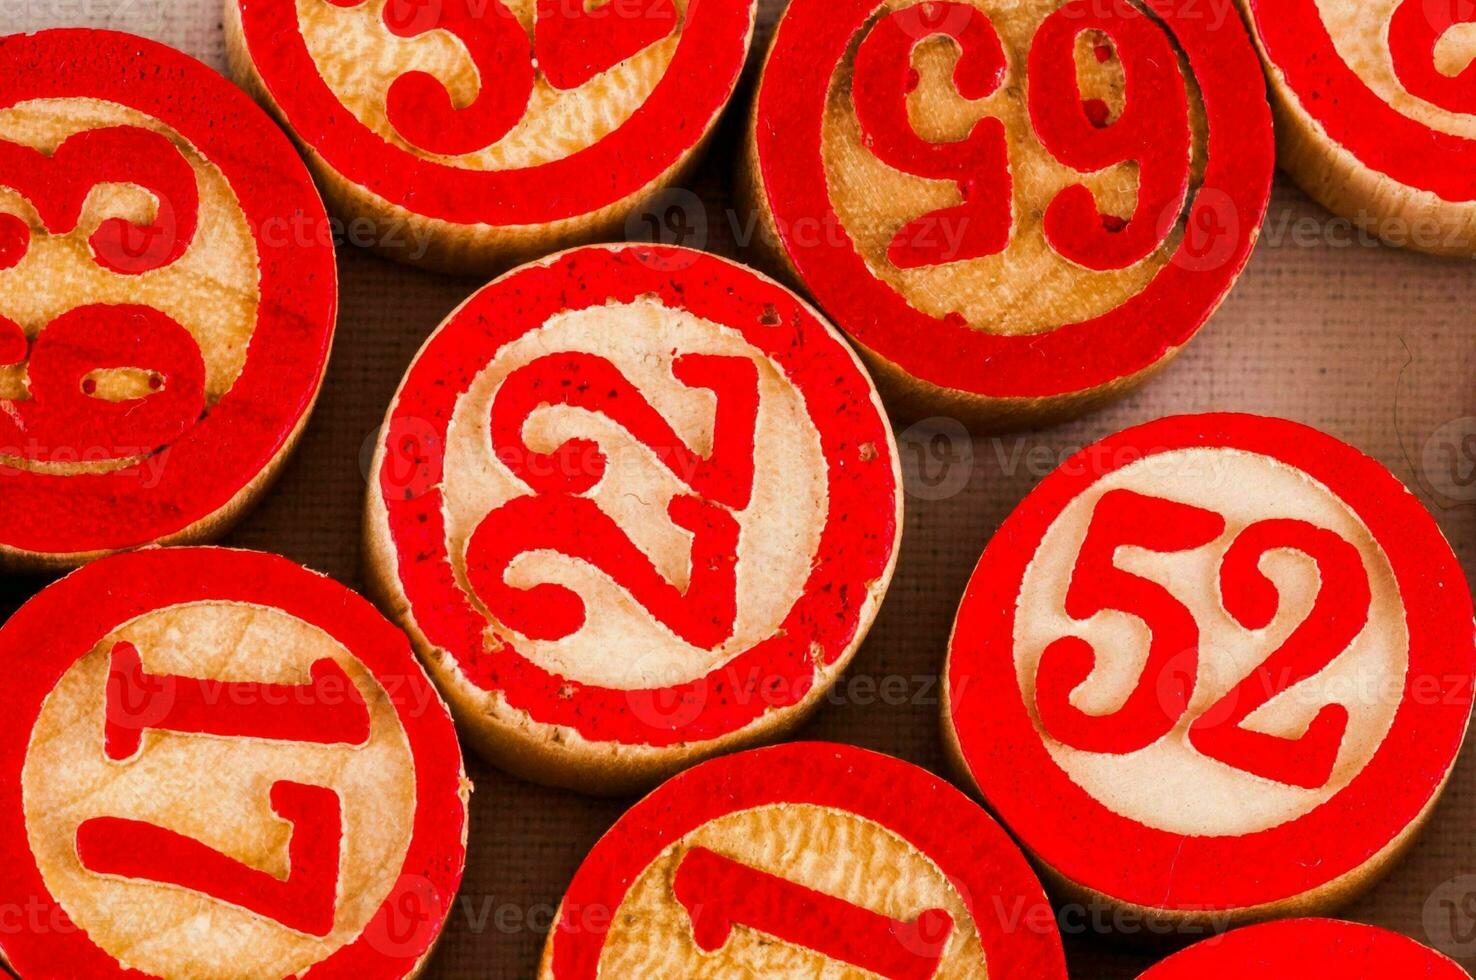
[(167, 298)]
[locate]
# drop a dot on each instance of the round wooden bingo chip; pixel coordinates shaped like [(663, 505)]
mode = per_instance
[(1213, 667), (167, 297), (635, 505), (805, 860), (217, 763), (1295, 948), (1018, 208), (473, 134), (1376, 111)]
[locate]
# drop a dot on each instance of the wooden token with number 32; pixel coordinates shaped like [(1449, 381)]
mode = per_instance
[(636, 505)]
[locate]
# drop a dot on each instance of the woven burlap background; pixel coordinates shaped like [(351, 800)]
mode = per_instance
[(1372, 344)]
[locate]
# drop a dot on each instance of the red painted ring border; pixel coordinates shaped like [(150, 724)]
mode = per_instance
[(1286, 947)]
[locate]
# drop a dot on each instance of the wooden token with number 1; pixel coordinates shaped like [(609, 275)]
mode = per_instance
[(805, 860)]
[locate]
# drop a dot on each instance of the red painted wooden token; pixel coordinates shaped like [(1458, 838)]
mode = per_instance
[(217, 763), (806, 859), (167, 297), (1297, 948), (1377, 111), (1017, 209), (635, 505), (472, 134), (1212, 666)]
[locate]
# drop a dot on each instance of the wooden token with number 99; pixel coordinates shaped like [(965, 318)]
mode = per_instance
[(1017, 209)]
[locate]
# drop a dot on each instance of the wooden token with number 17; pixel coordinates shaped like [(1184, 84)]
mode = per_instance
[(217, 763)]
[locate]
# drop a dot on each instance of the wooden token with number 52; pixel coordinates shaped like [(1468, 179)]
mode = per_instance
[(1017, 209), (1214, 667)]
